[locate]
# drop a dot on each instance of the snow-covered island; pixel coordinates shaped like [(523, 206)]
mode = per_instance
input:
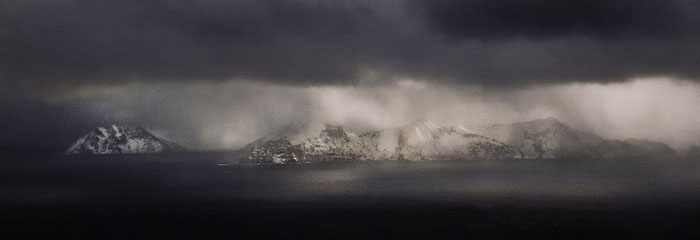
[(118, 139), (422, 141), (417, 141), (550, 138)]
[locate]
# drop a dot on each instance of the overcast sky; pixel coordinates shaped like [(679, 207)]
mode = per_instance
[(218, 74)]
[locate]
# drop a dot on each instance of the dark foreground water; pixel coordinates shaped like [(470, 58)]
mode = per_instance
[(196, 196)]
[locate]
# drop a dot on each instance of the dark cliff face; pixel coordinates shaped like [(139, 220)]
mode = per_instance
[(116, 139), (651, 147), (273, 151)]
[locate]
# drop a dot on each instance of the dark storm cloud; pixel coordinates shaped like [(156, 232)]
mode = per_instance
[(481, 19), (495, 43), (553, 41), (116, 40)]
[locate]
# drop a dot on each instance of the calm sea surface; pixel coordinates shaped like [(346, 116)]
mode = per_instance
[(202, 195)]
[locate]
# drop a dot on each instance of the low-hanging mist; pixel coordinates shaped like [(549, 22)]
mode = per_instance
[(228, 115)]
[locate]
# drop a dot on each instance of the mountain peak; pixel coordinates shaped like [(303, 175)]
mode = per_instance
[(114, 139), (550, 138), (539, 125), (119, 130), (421, 130), (421, 123)]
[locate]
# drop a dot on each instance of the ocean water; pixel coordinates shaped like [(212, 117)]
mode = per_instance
[(205, 196)]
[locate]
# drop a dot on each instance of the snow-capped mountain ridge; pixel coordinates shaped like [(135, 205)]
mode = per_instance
[(118, 139), (420, 140), (550, 138)]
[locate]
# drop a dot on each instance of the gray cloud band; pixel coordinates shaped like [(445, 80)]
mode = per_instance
[(501, 43)]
